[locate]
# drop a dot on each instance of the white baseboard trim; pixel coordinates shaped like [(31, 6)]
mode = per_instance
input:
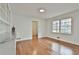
[(27, 38), (65, 40), (24, 39), (40, 36)]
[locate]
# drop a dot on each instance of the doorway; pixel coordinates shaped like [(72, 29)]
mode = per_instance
[(34, 36)]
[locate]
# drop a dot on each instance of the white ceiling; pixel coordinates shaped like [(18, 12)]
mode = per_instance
[(52, 9)]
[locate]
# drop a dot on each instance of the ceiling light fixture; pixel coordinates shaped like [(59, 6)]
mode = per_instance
[(42, 10)]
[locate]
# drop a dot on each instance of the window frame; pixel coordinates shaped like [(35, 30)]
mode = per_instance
[(60, 25), (52, 26)]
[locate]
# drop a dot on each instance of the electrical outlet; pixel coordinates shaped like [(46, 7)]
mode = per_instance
[(58, 37)]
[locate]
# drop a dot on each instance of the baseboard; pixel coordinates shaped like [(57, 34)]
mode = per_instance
[(52, 38), (26, 38), (29, 38), (40, 36), (55, 39)]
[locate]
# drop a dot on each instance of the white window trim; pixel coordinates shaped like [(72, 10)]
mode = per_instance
[(60, 26)]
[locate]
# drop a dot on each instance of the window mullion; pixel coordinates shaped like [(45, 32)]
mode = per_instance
[(59, 26)]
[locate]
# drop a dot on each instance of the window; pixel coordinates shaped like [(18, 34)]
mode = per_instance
[(62, 26), (56, 26), (66, 26)]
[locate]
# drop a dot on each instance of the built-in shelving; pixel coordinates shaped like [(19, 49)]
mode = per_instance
[(4, 13), (5, 19), (6, 22)]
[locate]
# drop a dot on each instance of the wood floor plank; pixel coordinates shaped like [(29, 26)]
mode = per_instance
[(46, 46)]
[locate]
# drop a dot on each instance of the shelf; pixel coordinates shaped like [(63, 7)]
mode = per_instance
[(4, 21), (3, 32)]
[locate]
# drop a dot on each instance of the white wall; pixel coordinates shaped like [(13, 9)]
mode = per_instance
[(23, 25), (74, 37)]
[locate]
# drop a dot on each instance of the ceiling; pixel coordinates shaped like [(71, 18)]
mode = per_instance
[(52, 9)]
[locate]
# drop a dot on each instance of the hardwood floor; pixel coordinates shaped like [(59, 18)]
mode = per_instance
[(46, 46)]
